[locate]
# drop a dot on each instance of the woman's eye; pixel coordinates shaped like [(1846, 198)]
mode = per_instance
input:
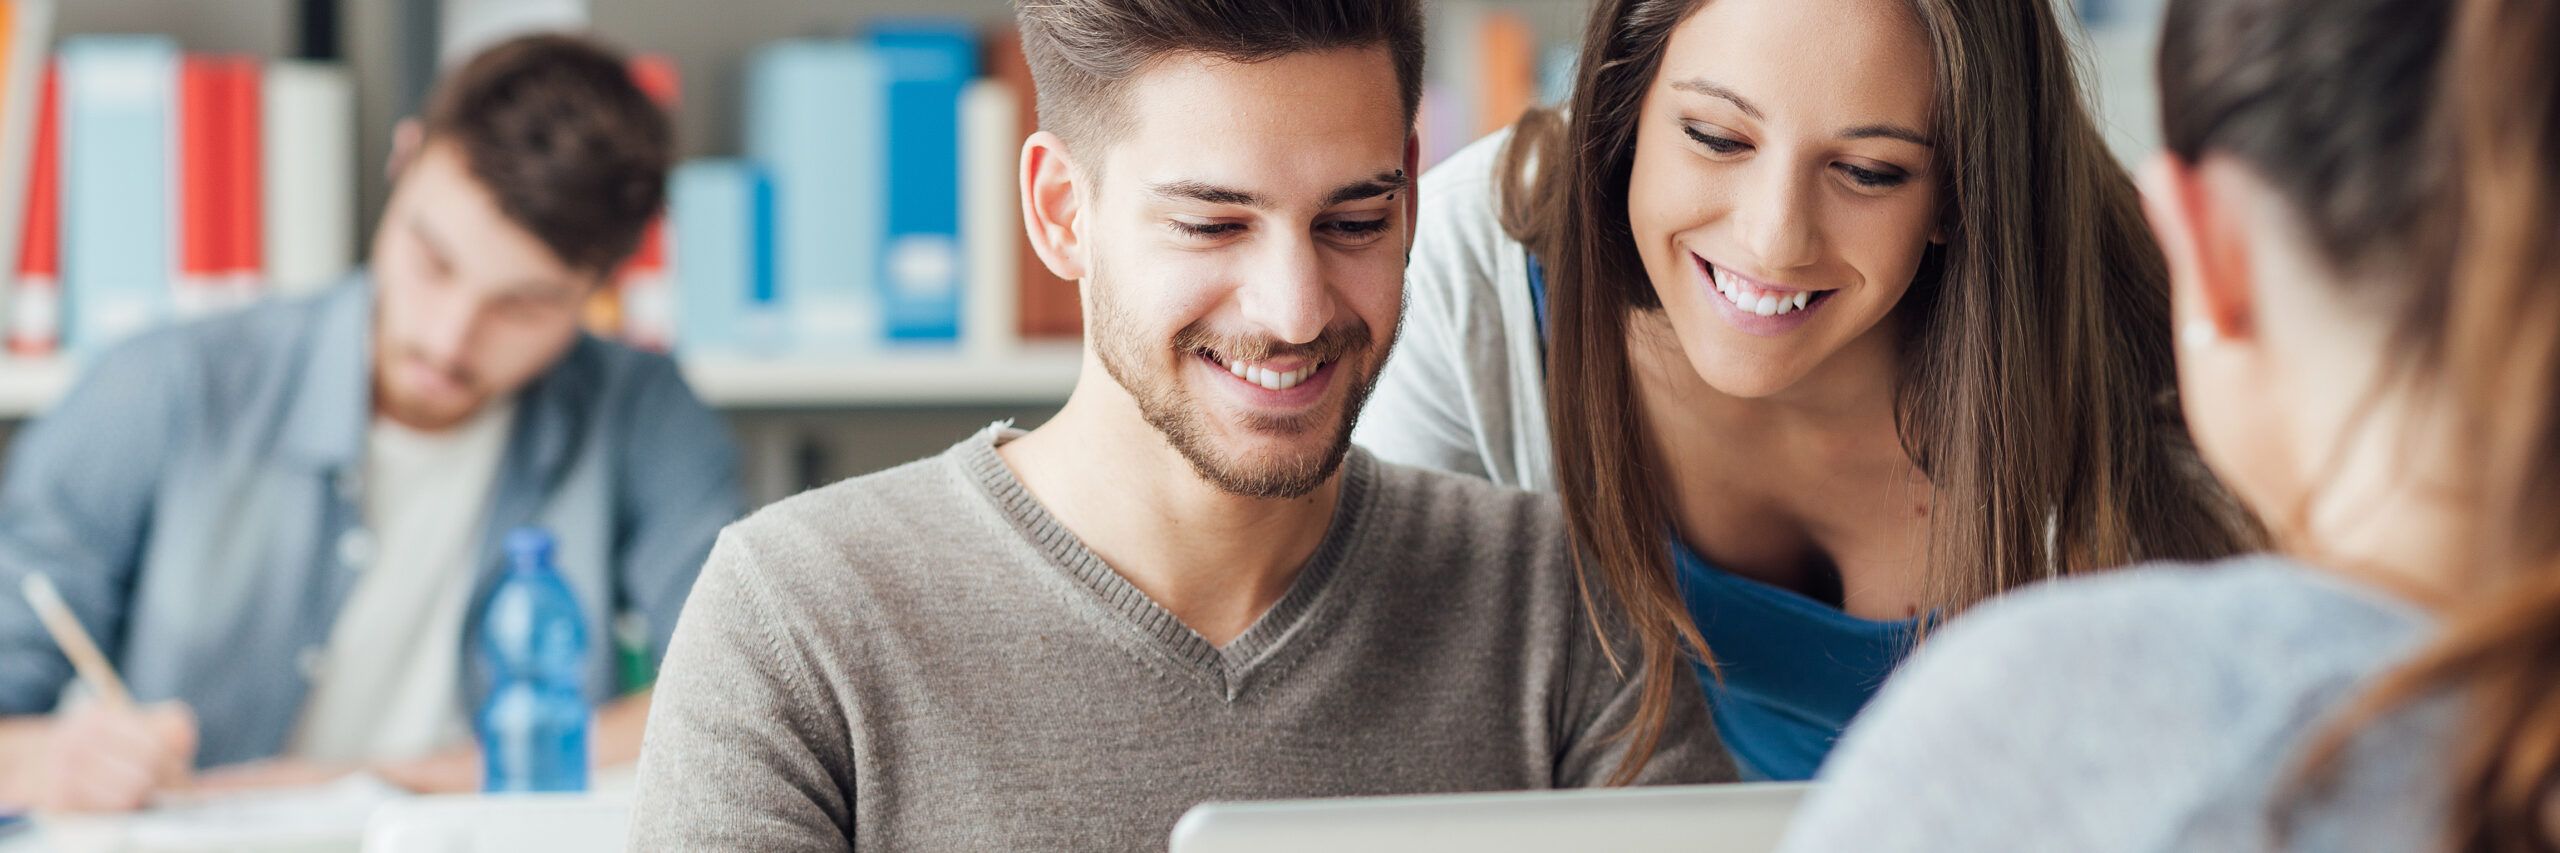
[(1872, 179), (1717, 144), (1206, 229)]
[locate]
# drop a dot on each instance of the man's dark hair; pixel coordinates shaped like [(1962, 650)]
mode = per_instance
[(573, 150), (1083, 51)]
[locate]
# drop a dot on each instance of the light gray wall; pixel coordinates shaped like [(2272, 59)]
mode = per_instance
[(263, 27)]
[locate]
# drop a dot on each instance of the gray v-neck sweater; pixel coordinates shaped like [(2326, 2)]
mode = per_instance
[(925, 659)]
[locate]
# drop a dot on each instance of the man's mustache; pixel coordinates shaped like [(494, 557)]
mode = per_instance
[(1333, 344)]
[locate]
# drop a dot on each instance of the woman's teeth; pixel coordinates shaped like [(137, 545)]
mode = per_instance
[(1762, 302), (1273, 380)]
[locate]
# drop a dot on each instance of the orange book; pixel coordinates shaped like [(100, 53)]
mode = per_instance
[(1508, 53), (8, 38), (1050, 307)]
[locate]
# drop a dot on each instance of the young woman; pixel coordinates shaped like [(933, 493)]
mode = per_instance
[(1824, 317), (2360, 204)]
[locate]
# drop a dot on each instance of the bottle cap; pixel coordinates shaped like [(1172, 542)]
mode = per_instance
[(529, 549)]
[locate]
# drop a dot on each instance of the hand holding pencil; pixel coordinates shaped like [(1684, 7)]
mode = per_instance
[(107, 754)]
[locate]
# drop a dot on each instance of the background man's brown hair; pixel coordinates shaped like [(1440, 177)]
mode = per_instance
[(1082, 51), (573, 150)]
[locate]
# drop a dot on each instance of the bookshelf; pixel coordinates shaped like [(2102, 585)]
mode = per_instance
[(1039, 376), (799, 421)]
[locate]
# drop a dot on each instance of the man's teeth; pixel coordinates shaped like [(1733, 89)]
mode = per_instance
[(1762, 302), (1255, 373)]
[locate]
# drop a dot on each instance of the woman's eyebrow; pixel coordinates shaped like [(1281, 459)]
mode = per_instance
[(1703, 86)]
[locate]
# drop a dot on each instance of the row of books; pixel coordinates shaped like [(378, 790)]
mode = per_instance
[(874, 206), (153, 184)]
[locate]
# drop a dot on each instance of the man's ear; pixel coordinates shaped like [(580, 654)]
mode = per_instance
[(406, 138), (2197, 214), (1053, 206)]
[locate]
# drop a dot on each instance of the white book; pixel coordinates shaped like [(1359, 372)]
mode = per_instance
[(310, 175), (30, 33), (990, 219)]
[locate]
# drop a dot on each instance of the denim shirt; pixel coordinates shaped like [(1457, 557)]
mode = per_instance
[(197, 497)]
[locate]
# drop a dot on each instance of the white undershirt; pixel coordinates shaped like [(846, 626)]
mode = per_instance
[(386, 686)]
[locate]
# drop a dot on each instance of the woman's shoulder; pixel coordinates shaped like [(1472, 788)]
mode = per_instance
[(2259, 601), (2156, 690)]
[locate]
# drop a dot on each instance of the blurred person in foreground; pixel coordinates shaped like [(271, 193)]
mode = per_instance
[(2357, 200)]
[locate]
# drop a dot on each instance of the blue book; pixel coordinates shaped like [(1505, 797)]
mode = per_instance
[(721, 213), (926, 65), (119, 111), (816, 124)]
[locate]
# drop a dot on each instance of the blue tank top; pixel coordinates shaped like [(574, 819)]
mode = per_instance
[(1795, 670)]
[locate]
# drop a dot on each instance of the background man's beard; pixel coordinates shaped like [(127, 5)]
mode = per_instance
[(1169, 408)]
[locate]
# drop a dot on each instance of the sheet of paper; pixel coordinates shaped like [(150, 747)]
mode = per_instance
[(327, 818)]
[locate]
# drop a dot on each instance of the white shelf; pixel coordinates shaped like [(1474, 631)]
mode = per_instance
[(26, 386), (1041, 374)]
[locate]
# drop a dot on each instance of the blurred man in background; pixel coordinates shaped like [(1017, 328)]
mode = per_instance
[(279, 523)]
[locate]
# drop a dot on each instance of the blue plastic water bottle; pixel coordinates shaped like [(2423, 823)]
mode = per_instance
[(533, 730)]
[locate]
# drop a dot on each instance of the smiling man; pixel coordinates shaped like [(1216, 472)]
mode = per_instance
[(1188, 585), (278, 522)]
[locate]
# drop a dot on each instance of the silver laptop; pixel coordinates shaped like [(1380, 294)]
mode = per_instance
[(1740, 818)]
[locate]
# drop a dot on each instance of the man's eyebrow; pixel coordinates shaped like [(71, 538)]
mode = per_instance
[(1205, 192), (539, 289), (1202, 191), (1373, 187), (418, 228)]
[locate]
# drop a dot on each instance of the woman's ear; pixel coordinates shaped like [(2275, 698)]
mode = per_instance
[(2196, 215), (1052, 206)]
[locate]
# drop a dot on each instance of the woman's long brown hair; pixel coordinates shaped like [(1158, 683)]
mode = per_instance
[(2494, 333), (2036, 380)]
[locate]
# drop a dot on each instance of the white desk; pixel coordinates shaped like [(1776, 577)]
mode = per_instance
[(324, 819)]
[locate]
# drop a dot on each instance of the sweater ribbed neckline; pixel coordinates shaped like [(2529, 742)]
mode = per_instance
[(1065, 552)]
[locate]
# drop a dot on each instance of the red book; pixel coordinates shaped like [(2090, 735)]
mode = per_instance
[(647, 292), (35, 321), (243, 265), (201, 238)]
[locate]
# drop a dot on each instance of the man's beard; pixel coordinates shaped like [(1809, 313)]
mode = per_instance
[(1168, 406)]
